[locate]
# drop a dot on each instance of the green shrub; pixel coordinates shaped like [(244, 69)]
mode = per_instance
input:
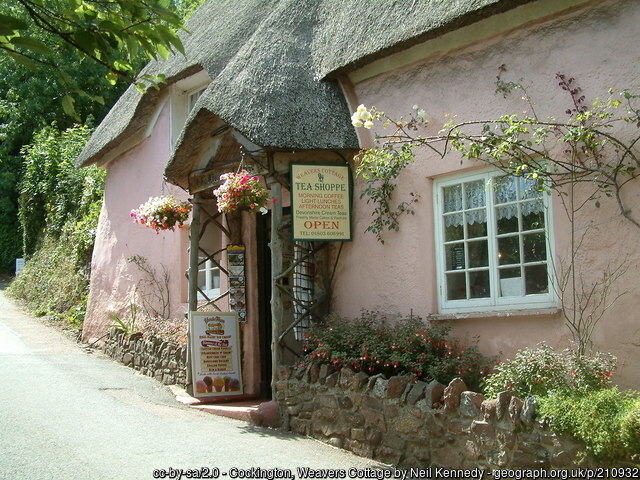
[(631, 430), (407, 347), (606, 420), (542, 370), (52, 284), (59, 210)]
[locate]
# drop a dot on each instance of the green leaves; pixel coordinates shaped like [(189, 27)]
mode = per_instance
[(31, 44), (380, 168), (9, 24), (113, 34)]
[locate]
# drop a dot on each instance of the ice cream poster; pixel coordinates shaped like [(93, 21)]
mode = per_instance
[(215, 359)]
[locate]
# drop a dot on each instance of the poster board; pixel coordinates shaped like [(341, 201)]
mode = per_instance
[(320, 202), (237, 280), (215, 359)]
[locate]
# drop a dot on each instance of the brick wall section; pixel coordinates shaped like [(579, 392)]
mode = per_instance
[(418, 424), (152, 356)]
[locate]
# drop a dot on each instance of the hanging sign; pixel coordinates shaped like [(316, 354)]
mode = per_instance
[(215, 359), (320, 202)]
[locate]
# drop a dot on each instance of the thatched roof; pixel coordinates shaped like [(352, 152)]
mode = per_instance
[(271, 64), (356, 32)]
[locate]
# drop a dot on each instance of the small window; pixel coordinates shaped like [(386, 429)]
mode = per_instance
[(208, 279), (492, 236), (193, 98)]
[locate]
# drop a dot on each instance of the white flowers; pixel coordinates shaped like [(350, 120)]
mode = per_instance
[(362, 118), (421, 114)]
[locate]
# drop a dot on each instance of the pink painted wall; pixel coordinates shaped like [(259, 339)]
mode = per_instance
[(594, 45), (131, 179)]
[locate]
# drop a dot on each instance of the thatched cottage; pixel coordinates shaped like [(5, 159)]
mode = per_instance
[(270, 83)]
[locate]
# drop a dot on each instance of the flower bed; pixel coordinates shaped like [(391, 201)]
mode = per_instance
[(371, 344)]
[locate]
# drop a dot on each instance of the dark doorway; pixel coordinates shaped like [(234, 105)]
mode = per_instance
[(263, 233)]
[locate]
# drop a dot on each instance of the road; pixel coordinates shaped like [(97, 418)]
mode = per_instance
[(69, 414)]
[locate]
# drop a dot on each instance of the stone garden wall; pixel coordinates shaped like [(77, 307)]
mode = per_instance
[(419, 424), (154, 357)]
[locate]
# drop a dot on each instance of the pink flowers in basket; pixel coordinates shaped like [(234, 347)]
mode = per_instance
[(241, 191), (162, 213)]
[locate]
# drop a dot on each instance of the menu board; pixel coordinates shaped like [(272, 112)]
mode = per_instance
[(237, 280), (215, 359), (320, 202)]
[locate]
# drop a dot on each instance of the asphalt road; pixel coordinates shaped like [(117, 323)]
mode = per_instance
[(69, 414)]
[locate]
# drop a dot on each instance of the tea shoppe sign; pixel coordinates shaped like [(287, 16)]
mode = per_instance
[(321, 202)]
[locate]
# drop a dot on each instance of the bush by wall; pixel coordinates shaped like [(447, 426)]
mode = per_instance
[(372, 344), (540, 371), (606, 420)]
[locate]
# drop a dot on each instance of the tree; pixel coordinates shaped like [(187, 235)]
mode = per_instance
[(112, 34), (44, 77)]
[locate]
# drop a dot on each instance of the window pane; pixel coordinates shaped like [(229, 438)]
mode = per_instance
[(532, 215), (474, 194), (536, 280), (510, 282), (215, 279), (508, 250), (456, 286), (452, 198), (455, 256), (476, 223), (453, 229), (478, 254), (505, 189), (479, 284), (507, 219), (529, 188), (535, 247)]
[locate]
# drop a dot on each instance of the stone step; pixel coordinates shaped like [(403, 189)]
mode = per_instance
[(257, 411)]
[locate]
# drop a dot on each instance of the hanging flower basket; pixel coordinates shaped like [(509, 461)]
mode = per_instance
[(241, 191), (162, 213)]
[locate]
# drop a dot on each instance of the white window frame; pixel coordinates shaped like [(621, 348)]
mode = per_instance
[(210, 270), (494, 302), (182, 93)]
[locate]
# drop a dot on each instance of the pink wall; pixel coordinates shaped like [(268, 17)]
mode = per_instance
[(131, 179), (595, 46)]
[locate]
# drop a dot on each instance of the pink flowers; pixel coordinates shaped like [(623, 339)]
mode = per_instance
[(241, 191), (162, 213)]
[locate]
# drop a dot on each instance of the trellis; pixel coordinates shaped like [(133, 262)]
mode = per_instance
[(305, 308)]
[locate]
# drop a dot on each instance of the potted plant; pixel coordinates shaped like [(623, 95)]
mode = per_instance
[(162, 213), (241, 191)]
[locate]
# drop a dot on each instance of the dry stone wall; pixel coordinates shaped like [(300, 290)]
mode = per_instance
[(152, 356), (418, 424)]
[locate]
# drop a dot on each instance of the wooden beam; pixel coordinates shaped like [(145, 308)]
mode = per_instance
[(277, 308)]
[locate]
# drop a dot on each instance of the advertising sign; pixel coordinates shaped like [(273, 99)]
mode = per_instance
[(321, 202), (237, 280), (215, 359)]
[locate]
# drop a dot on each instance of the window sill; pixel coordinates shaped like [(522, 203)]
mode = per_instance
[(529, 312)]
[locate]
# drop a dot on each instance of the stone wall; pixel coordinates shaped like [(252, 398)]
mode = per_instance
[(152, 356), (417, 424)]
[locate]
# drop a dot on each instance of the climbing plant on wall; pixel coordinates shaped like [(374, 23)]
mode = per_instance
[(588, 155)]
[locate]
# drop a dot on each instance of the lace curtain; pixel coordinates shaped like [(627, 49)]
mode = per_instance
[(506, 189)]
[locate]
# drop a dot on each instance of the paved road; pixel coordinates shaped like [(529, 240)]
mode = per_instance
[(67, 414)]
